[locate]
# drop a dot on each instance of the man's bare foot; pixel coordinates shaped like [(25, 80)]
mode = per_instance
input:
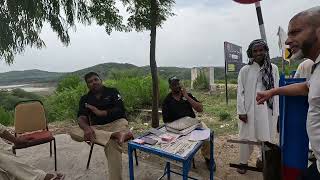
[(57, 176), (122, 136)]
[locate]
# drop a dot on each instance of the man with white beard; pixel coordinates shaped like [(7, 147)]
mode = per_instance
[(304, 41)]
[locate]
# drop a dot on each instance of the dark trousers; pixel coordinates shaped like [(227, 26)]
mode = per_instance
[(311, 173)]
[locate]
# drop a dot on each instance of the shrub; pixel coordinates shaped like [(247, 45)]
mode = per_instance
[(6, 117), (69, 82), (201, 82), (24, 94), (64, 105), (224, 115)]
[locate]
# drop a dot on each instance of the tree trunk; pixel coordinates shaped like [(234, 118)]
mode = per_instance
[(153, 65)]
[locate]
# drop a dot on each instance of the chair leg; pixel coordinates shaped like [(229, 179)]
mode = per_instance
[(88, 163), (55, 154), (50, 148), (136, 156)]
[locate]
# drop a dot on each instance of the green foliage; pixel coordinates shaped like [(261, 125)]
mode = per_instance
[(141, 12), (20, 93), (69, 82), (224, 115), (8, 99), (123, 74), (201, 82), (64, 104), (22, 22), (137, 92), (6, 117)]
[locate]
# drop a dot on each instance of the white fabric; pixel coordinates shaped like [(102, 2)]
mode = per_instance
[(12, 169), (246, 151), (262, 121), (304, 69), (313, 121), (2, 128)]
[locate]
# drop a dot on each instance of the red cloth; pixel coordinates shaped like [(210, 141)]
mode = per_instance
[(291, 173), (37, 138), (246, 1)]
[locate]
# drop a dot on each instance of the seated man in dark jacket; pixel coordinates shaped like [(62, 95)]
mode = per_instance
[(179, 104), (102, 119)]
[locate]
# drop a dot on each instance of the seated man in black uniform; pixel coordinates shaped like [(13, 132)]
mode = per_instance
[(179, 104), (102, 119)]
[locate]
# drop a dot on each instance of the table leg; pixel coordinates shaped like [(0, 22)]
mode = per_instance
[(168, 170), (186, 168), (131, 172), (211, 156)]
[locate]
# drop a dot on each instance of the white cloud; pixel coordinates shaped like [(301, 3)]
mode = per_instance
[(194, 37)]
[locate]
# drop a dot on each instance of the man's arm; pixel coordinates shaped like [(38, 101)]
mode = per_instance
[(298, 89), (83, 120), (195, 104)]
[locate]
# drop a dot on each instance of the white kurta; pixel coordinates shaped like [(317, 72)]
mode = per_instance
[(262, 121)]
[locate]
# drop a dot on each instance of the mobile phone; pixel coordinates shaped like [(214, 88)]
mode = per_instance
[(149, 140)]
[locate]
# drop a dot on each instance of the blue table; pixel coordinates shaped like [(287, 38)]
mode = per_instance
[(186, 161)]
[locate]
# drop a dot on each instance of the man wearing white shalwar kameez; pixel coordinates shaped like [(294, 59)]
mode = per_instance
[(257, 123)]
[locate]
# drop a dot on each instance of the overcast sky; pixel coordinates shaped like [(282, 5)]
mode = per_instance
[(194, 37)]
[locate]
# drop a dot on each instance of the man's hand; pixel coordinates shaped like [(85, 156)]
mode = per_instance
[(263, 96), (92, 108), (89, 134), (184, 92), (96, 110), (22, 140), (243, 118)]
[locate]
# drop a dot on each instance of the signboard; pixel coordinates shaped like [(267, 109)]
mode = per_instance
[(233, 57)]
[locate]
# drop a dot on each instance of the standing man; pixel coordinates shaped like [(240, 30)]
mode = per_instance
[(102, 120), (304, 40), (179, 104), (257, 123)]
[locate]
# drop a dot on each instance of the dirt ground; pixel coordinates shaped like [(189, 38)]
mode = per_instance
[(224, 153)]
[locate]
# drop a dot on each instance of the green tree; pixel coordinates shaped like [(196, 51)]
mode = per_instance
[(148, 15), (21, 21)]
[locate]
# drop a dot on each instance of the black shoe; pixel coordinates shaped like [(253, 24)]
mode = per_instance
[(242, 170), (208, 164)]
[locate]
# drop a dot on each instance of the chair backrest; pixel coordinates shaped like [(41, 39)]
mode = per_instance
[(29, 116)]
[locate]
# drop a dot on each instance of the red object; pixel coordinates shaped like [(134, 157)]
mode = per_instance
[(290, 173), (37, 138), (246, 1)]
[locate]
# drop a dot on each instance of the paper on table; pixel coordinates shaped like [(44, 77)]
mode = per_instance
[(199, 135)]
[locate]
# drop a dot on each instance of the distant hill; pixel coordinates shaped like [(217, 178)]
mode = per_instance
[(106, 70), (29, 76)]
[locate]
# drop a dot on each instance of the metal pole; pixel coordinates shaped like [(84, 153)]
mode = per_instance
[(225, 72), (260, 21)]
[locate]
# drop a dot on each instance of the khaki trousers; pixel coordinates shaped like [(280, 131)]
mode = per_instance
[(112, 149), (12, 169)]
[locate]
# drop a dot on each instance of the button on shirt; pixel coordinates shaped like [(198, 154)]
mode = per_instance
[(313, 122), (110, 101), (173, 109)]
